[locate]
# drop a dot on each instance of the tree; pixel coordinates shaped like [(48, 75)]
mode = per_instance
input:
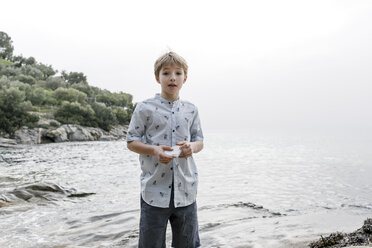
[(38, 96), (26, 79), (75, 113), (74, 77), (83, 88), (70, 95), (105, 116), (18, 60), (32, 71), (6, 47), (54, 83), (47, 70), (123, 99), (13, 110), (123, 116)]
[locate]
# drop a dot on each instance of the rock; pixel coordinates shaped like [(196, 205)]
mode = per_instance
[(119, 131), (72, 132), (67, 132), (56, 135), (7, 142), (95, 132), (77, 133), (29, 136)]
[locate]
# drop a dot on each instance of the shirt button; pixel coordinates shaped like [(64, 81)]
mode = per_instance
[(171, 168), (173, 131), (170, 186)]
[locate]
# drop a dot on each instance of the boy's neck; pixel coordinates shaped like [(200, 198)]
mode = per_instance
[(170, 98)]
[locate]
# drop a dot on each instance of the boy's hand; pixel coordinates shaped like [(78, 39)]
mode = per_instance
[(186, 149), (162, 157)]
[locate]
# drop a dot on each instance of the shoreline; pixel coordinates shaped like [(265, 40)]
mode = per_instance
[(45, 134)]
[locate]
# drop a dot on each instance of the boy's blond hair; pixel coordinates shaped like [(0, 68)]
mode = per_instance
[(170, 58)]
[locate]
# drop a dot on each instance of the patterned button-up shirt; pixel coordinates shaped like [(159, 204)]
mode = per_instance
[(157, 121)]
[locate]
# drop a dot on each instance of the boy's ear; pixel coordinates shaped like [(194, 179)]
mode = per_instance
[(157, 79), (184, 80)]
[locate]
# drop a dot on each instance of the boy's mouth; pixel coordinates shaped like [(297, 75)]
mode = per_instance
[(172, 85)]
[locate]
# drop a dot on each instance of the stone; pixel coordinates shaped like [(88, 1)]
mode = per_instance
[(77, 133), (119, 131), (95, 132), (64, 133), (56, 135), (7, 142), (28, 136)]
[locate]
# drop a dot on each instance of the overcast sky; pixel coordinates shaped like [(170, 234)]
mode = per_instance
[(271, 64)]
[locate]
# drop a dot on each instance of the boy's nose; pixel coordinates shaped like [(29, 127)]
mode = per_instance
[(173, 77)]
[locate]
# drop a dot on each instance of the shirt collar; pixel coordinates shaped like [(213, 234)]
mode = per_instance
[(157, 96)]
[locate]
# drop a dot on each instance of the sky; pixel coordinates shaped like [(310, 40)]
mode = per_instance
[(252, 64)]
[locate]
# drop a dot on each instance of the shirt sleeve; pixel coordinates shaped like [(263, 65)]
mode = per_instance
[(136, 129), (196, 130)]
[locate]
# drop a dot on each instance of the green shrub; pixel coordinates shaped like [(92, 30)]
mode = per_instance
[(54, 124), (54, 83), (122, 115), (75, 113), (83, 87), (13, 110), (30, 70), (26, 79), (105, 116), (38, 96), (70, 95)]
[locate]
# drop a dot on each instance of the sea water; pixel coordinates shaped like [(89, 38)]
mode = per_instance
[(256, 189)]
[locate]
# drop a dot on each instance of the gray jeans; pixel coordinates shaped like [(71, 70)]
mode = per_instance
[(153, 226)]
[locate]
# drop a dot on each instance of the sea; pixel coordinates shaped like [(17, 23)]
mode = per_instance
[(256, 189)]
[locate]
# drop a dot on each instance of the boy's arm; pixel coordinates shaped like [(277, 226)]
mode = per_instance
[(136, 131), (158, 151)]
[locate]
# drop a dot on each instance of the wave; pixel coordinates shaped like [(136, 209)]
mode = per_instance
[(241, 204), (364, 206)]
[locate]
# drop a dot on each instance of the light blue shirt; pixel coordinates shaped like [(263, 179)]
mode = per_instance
[(157, 121)]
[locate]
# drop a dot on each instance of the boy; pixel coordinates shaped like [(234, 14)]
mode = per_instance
[(168, 183)]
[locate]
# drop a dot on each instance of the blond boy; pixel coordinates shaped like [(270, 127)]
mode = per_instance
[(168, 182)]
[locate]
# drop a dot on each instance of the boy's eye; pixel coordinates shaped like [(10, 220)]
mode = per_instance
[(179, 73), (165, 73)]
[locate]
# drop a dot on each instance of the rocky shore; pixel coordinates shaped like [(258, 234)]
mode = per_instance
[(361, 237), (51, 131)]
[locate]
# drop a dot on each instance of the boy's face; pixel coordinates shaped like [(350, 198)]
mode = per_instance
[(171, 78)]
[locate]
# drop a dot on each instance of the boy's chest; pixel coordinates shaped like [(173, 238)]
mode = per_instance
[(163, 122)]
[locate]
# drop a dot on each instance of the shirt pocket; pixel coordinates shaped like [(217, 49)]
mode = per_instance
[(159, 128), (183, 126)]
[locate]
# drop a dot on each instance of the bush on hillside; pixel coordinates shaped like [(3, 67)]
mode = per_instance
[(122, 115), (70, 95), (13, 110), (105, 116), (75, 113)]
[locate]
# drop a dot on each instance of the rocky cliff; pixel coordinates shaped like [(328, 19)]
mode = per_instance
[(48, 131)]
